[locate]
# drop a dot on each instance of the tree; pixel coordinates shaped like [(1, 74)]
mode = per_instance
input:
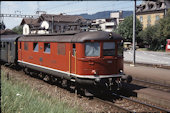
[(18, 29), (125, 29)]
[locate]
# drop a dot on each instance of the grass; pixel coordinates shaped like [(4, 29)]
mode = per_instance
[(17, 97)]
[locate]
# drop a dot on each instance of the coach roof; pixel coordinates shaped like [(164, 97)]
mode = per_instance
[(79, 37), (9, 38)]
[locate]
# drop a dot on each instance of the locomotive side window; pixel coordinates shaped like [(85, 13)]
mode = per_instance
[(92, 49), (108, 48), (35, 46), (120, 48), (47, 48), (26, 46), (61, 49)]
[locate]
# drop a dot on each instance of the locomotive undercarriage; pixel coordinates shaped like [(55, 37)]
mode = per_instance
[(82, 86)]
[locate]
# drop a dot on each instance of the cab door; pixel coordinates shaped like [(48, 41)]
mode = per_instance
[(73, 59)]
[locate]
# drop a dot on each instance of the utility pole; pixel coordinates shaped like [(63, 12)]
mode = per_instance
[(52, 27), (134, 31)]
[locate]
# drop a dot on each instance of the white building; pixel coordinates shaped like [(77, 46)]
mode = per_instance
[(109, 24)]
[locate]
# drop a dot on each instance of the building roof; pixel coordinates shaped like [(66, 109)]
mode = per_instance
[(150, 6), (30, 21), (62, 18)]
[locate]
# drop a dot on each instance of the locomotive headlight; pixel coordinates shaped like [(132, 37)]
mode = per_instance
[(121, 71)]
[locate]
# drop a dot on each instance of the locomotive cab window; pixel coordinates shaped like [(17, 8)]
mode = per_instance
[(109, 49), (120, 48), (47, 48), (35, 46), (92, 49)]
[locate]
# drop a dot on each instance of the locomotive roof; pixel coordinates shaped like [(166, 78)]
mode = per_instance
[(79, 37)]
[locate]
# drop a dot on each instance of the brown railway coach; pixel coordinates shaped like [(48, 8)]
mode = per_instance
[(87, 58)]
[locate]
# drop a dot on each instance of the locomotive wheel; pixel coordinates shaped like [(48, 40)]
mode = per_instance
[(41, 76), (46, 78), (26, 71)]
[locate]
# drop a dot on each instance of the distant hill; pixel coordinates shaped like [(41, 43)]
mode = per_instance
[(104, 14)]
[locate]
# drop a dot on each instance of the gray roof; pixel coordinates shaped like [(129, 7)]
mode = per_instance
[(151, 5), (62, 18), (79, 37)]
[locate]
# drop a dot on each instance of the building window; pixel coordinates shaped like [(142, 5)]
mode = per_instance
[(157, 17), (35, 46), (26, 46), (108, 48), (61, 49), (47, 48), (92, 49), (149, 19), (141, 19)]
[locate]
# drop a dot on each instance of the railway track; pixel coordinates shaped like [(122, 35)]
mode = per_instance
[(126, 104), (153, 85)]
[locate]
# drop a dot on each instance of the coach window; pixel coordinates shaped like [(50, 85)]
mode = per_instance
[(108, 48), (92, 49), (35, 46), (47, 48), (3, 44), (74, 49), (26, 46), (10, 46)]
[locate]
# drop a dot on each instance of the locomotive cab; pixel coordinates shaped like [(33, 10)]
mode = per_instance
[(100, 62)]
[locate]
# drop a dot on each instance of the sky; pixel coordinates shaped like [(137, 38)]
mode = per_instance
[(57, 7)]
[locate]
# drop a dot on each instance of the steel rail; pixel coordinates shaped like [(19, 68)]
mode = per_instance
[(163, 85), (138, 102), (112, 104)]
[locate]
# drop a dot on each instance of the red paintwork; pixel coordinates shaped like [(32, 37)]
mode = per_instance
[(168, 43), (84, 65)]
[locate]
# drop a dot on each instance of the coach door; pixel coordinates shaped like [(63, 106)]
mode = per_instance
[(9, 48)]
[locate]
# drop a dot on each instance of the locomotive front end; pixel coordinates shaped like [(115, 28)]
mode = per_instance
[(101, 62)]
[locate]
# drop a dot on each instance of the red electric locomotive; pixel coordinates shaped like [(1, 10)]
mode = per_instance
[(85, 59)]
